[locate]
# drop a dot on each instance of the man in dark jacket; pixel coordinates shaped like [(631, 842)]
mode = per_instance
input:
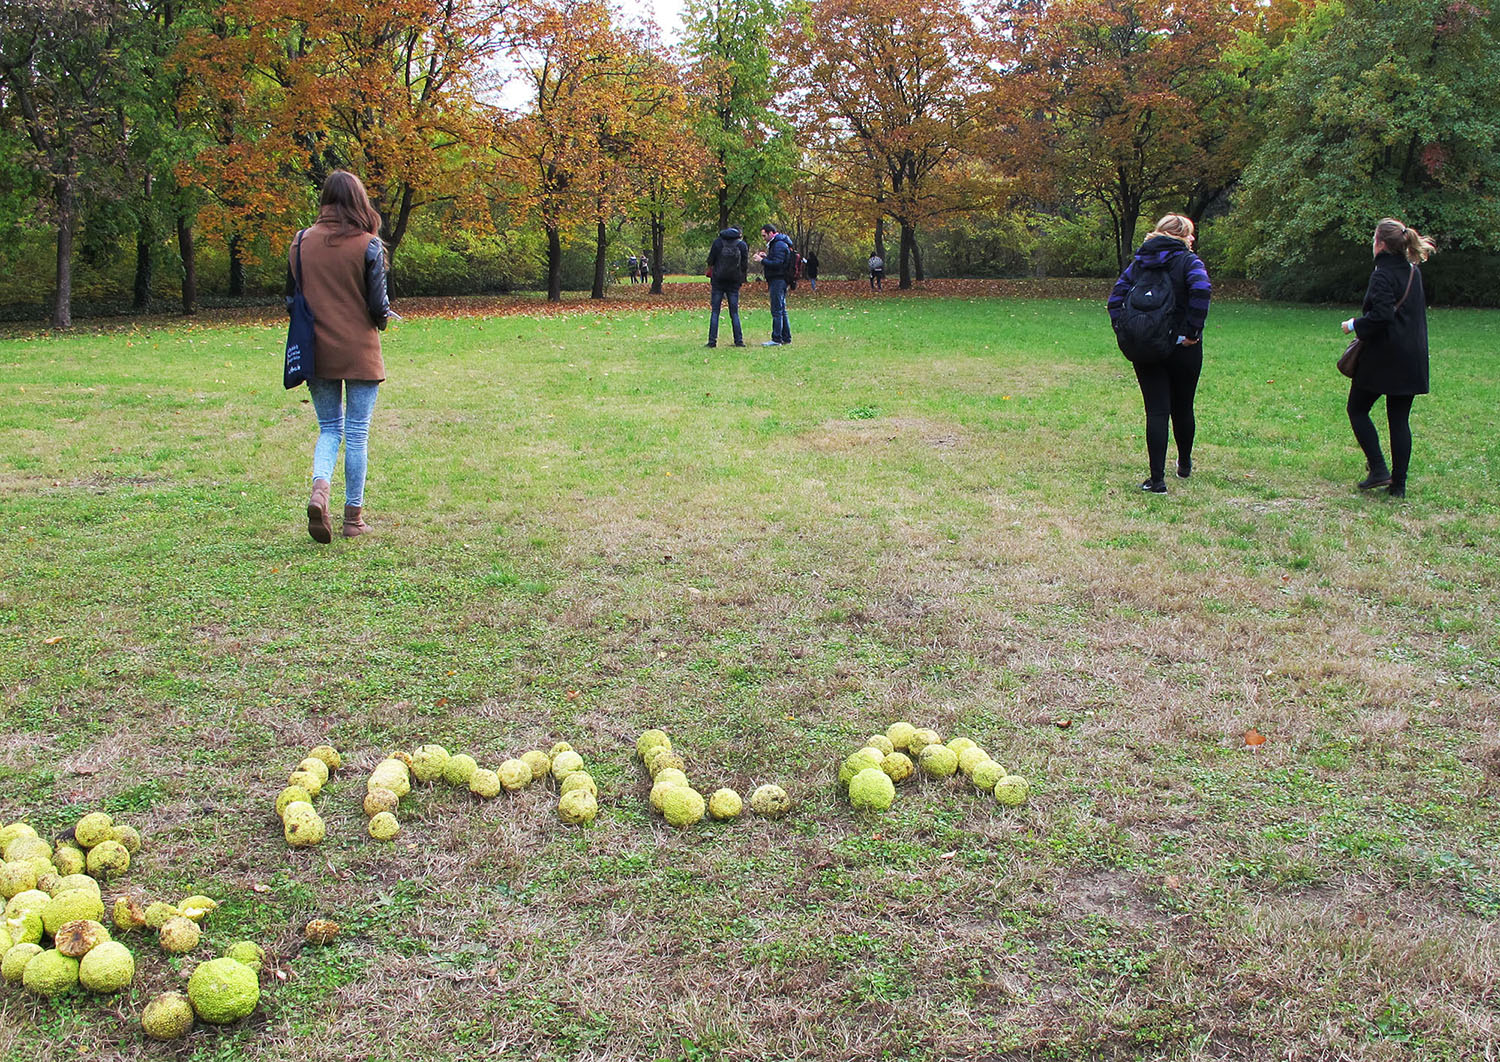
[(777, 259), (728, 263)]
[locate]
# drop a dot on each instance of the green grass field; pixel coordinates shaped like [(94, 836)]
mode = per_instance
[(925, 509)]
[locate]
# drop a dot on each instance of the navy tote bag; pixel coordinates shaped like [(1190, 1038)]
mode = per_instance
[(299, 331)]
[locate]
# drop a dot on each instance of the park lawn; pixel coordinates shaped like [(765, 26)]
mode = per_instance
[(924, 509)]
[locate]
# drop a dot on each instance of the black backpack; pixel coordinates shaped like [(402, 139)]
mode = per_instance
[(731, 264), (1149, 320)]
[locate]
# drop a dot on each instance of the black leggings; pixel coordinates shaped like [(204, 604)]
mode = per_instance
[(1168, 388), (1397, 416)]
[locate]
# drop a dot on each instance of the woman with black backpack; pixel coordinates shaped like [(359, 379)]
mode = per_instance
[(728, 263), (1168, 378)]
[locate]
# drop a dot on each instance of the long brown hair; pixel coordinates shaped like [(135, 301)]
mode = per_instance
[(347, 205), (1397, 238)]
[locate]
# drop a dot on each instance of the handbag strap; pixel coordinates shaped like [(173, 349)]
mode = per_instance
[(1410, 276), (297, 252)]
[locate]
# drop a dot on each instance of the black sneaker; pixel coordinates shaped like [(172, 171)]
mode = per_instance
[(1394, 491), (1184, 468), (1375, 479), (1154, 486), (739, 342), (710, 346)]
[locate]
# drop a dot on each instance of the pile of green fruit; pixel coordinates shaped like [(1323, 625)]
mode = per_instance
[(301, 824), (872, 773), (680, 804)]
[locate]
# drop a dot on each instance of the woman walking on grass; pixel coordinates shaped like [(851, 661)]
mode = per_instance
[(1168, 386), (340, 262), (1393, 355)]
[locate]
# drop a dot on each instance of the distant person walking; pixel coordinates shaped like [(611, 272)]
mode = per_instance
[(777, 260), (810, 266), (1393, 355), (877, 272), (1169, 385), (635, 269), (728, 265), (341, 264)]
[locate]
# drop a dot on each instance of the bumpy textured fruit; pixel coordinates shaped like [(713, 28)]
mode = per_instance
[(660, 790), (654, 753), (900, 734), (458, 769), (384, 827), (23, 849), (539, 762), (30, 900), (770, 801), (77, 938), (315, 767), (666, 760), (130, 837), (897, 766), (971, 757), (247, 953), (107, 968), (649, 740), (70, 860), (77, 881), (859, 761), (580, 780), (670, 774), (306, 780), (71, 905), (958, 744), (881, 742), (565, 763), (25, 927), (223, 990), (329, 755), (872, 790), (290, 795), (50, 974), (725, 804), (484, 783), (16, 957), (986, 775), (515, 774), (197, 907), (129, 915), (5, 942), (301, 825), (108, 859), (94, 828), (167, 1017), (559, 748), (938, 761), (1012, 790), (577, 808), (392, 774), (427, 763), (11, 831), (682, 806), (378, 800), (180, 935), (159, 914), (321, 931), (16, 878)]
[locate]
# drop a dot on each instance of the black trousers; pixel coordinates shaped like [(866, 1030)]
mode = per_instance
[(1168, 388), (1397, 417)]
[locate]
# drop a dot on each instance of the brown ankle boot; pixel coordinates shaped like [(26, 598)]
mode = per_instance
[(318, 524), (354, 524)]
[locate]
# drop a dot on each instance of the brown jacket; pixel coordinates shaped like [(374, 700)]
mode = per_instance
[(337, 285)]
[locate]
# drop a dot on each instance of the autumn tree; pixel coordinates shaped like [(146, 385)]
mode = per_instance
[(734, 77), (1124, 103), (61, 91), (886, 90)]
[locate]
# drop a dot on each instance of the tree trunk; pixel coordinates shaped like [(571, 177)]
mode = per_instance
[(554, 264), (145, 267), (908, 239), (880, 237), (189, 264), (236, 266), (601, 248), (723, 208), (63, 192), (658, 237), (919, 274)]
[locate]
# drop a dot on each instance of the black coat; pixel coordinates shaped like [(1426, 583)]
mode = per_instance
[(728, 260), (1393, 360)]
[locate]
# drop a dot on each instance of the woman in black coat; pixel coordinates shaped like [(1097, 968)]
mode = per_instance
[(1393, 358)]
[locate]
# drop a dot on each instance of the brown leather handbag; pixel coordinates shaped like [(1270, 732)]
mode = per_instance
[(1349, 360)]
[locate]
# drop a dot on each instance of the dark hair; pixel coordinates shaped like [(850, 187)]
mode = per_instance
[(344, 197), (768, 227), (1397, 238)]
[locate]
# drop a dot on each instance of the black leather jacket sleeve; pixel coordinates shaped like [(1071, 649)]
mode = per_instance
[(377, 299)]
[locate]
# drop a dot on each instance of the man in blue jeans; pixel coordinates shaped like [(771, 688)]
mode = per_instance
[(777, 258)]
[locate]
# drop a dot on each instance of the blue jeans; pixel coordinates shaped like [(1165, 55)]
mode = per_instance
[(781, 328), (719, 295), (351, 428)]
